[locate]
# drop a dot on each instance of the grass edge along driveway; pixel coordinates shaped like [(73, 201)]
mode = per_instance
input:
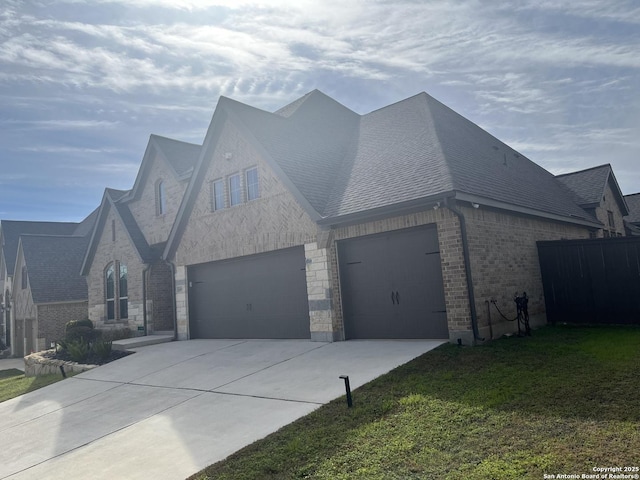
[(13, 383), (564, 401)]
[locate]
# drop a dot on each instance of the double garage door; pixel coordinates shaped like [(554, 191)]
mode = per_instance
[(391, 287), (258, 296)]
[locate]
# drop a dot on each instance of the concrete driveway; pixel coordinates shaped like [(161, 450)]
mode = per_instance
[(170, 410)]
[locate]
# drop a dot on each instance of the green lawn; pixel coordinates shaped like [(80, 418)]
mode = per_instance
[(13, 383), (560, 402)]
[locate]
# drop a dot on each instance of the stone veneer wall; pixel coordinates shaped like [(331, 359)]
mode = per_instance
[(504, 260)]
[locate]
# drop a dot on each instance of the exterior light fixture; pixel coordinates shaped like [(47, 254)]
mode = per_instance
[(475, 205)]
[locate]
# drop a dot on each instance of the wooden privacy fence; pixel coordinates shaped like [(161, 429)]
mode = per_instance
[(591, 281)]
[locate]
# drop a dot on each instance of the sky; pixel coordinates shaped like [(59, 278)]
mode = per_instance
[(83, 83)]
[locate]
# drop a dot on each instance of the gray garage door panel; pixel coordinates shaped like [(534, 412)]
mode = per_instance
[(392, 285), (258, 296)]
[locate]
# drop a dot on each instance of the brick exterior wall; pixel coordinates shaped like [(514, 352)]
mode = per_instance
[(52, 319), (504, 260), (271, 222), (609, 204), (123, 251), (182, 303), (156, 228)]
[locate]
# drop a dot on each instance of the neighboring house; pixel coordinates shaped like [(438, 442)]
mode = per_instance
[(316, 222), (130, 286), (596, 190), (48, 290), (632, 220), (10, 234)]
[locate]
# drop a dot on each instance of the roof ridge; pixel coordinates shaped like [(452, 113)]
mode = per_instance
[(604, 165)]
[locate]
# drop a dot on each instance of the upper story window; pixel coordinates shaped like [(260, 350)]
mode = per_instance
[(23, 276), (612, 220), (235, 190), (239, 188), (217, 194), (161, 200), (251, 181), (113, 230)]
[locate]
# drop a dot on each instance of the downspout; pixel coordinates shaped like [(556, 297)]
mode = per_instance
[(145, 272), (467, 267), (173, 298)]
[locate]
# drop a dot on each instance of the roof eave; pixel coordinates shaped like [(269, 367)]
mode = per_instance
[(488, 202)]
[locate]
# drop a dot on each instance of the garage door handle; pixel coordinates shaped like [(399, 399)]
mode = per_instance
[(398, 297), (393, 298)]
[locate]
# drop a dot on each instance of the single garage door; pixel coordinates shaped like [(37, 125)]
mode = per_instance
[(392, 285), (258, 296)]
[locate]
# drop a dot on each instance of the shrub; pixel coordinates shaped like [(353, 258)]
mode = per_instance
[(2, 345), (102, 349), (82, 333), (78, 323), (78, 350)]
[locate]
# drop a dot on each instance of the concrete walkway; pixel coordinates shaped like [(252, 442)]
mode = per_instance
[(170, 410), (11, 363)]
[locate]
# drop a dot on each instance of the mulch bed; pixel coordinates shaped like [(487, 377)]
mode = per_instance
[(90, 360)]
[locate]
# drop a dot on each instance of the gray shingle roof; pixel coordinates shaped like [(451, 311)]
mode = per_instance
[(181, 155), (633, 202), (12, 229), (588, 185), (344, 163), (53, 267)]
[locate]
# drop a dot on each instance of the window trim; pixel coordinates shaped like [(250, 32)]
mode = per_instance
[(214, 196), (238, 190), (249, 185)]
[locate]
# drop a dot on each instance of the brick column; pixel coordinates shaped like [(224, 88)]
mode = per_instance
[(321, 313), (182, 316)]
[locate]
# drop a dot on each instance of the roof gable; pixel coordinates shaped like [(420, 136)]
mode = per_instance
[(588, 186), (633, 202), (12, 229), (53, 267), (181, 158), (113, 200)]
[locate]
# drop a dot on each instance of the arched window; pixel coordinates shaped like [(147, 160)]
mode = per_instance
[(123, 293), (161, 200), (110, 289), (117, 290)]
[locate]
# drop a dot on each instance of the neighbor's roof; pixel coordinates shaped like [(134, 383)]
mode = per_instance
[(12, 229), (633, 202), (53, 267)]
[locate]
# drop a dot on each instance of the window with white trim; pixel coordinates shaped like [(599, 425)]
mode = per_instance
[(235, 190), (251, 181), (217, 194)]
